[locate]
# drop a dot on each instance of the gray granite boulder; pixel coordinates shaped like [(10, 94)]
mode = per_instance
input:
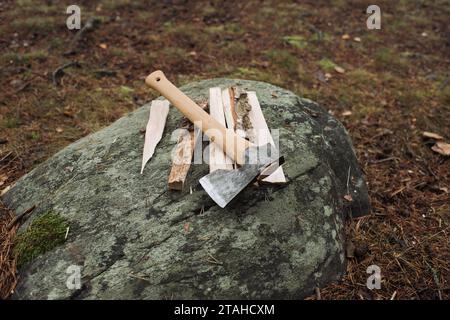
[(135, 239)]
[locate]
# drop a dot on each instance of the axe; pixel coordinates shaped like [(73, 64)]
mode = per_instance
[(221, 185)]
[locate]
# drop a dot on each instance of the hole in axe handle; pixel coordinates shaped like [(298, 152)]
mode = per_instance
[(158, 79)]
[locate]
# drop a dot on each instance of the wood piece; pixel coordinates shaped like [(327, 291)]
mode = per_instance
[(232, 144), (217, 158), (233, 104), (155, 128), (181, 160), (227, 108), (241, 110), (261, 135)]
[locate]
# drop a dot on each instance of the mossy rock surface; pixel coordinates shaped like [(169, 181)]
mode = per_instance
[(135, 239), (45, 233)]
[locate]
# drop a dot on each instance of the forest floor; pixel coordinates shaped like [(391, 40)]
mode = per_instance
[(387, 87)]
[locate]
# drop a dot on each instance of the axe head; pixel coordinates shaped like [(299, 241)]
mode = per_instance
[(223, 185)]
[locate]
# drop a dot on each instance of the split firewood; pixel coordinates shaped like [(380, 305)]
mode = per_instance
[(228, 108), (181, 160), (182, 155), (260, 135), (217, 158), (154, 130), (244, 113), (241, 110)]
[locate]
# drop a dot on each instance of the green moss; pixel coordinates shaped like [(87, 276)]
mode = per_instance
[(34, 24), (386, 58), (126, 91), (383, 55), (225, 29), (411, 97), (33, 56), (56, 43), (34, 7), (251, 73), (444, 95), (35, 136), (235, 50), (117, 52), (282, 59), (118, 4), (320, 36), (296, 41), (11, 123), (326, 64), (172, 56), (186, 35), (360, 78), (44, 233), (24, 3), (208, 10)]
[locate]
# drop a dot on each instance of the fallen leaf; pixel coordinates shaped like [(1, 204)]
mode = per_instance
[(348, 197), (103, 45), (443, 189), (346, 113), (345, 37), (442, 148), (339, 69), (357, 39), (69, 113), (59, 129), (424, 34), (432, 135), (328, 76), (186, 227)]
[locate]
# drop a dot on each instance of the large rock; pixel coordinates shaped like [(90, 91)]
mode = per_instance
[(135, 239)]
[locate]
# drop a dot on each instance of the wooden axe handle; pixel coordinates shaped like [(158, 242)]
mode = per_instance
[(233, 145)]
